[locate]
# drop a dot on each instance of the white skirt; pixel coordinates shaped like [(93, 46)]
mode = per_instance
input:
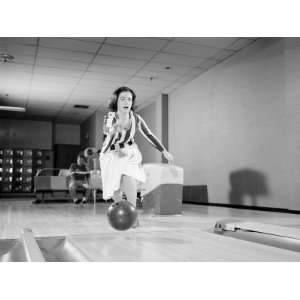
[(114, 164)]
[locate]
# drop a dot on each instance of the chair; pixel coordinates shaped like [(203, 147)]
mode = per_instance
[(51, 184)]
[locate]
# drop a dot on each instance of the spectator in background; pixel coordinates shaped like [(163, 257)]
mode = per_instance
[(79, 179)]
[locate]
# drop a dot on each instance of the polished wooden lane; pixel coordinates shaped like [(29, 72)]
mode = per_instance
[(176, 245), (159, 238)]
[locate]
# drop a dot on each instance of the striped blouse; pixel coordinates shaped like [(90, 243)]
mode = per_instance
[(126, 135)]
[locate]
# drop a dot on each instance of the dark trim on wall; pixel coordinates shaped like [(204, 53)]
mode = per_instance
[(19, 196), (261, 208), (195, 194), (165, 122)]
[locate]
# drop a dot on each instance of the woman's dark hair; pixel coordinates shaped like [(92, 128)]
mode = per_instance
[(113, 104)]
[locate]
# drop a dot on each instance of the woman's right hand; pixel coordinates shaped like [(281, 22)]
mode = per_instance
[(114, 128)]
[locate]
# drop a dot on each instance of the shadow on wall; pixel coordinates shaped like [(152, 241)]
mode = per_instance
[(247, 183)]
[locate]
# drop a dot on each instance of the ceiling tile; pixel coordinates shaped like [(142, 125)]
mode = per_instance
[(42, 89), (114, 70), (16, 49), (176, 59), (17, 78), (91, 90), (60, 77), (146, 89), (167, 76), (155, 84), (137, 42), (91, 84), (58, 72), (104, 76), (69, 44), (10, 89), (217, 42), (70, 111), (63, 64), (93, 105), (209, 63), (191, 75), (19, 40), (55, 98), (88, 99), (119, 61), (45, 104), (65, 88), (24, 60), (127, 52), (161, 67), (167, 38), (48, 79), (240, 43), (223, 54), (252, 38), (190, 49), (65, 55), (91, 39), (13, 67)]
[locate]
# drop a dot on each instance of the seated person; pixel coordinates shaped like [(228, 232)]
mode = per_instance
[(79, 178), (92, 158)]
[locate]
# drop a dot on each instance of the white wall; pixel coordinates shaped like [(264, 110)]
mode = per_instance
[(292, 99), (243, 114)]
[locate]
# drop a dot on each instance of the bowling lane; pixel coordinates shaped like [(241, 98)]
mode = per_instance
[(175, 245), (187, 237)]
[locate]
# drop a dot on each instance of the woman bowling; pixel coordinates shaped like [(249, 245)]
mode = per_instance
[(120, 158)]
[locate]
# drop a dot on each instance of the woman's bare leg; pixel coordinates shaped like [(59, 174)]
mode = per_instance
[(128, 185)]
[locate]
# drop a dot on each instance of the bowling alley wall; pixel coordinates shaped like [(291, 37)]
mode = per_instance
[(27, 146), (236, 128)]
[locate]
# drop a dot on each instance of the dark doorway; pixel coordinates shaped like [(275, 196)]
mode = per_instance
[(65, 155)]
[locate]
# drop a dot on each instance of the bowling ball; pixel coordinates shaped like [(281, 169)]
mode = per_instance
[(122, 215)]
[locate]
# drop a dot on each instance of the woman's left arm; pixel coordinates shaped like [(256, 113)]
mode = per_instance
[(152, 139)]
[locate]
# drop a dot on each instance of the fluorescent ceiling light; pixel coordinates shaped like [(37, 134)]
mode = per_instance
[(12, 108)]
